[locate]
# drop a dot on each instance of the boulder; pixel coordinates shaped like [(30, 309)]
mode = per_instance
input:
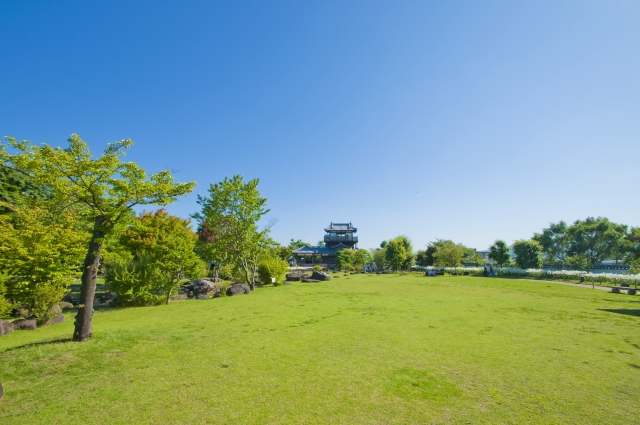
[(6, 327), (19, 312), (213, 279), (297, 275), (59, 318), (65, 305), (318, 275), (238, 289), (288, 283), (336, 276), (203, 297), (28, 324), (200, 287), (179, 297), (68, 298), (104, 298), (310, 280)]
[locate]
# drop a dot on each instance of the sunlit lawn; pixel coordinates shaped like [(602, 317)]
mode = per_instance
[(360, 349)]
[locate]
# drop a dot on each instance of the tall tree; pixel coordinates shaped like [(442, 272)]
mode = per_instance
[(236, 207), (106, 188), (528, 254), (499, 252), (597, 239), (555, 242)]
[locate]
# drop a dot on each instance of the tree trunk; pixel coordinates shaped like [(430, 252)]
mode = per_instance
[(88, 287), (168, 296)]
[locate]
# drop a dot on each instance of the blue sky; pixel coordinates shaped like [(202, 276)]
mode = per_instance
[(469, 121)]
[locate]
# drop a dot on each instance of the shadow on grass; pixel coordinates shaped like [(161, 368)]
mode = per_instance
[(635, 313), (36, 344), (635, 366)]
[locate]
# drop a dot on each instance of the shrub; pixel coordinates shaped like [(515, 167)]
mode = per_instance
[(272, 267), (316, 267), (5, 305)]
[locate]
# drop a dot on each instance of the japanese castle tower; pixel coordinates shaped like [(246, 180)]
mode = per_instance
[(338, 236)]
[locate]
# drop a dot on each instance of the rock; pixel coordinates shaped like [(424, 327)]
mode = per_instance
[(318, 275), (19, 312), (65, 305), (297, 275), (212, 279), (189, 294), (28, 324), (624, 285), (310, 280), (288, 283), (6, 327), (53, 316), (179, 297), (104, 298), (631, 291), (336, 276), (203, 297), (238, 289), (1, 391), (68, 298), (57, 319), (615, 290), (200, 287)]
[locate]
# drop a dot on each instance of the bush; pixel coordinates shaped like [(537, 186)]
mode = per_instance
[(5, 305), (528, 254), (272, 267), (317, 268)]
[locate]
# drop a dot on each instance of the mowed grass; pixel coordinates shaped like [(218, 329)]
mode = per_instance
[(386, 349)]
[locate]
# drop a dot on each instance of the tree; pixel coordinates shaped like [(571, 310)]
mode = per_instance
[(555, 242), (15, 187), (363, 257), (345, 259), (449, 254), (40, 254), (235, 208), (427, 257), (320, 244), (168, 243), (106, 188), (499, 252), (407, 252), (380, 257), (211, 247), (528, 254), (597, 239), (396, 253), (293, 245)]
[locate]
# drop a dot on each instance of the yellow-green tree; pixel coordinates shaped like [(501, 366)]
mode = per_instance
[(106, 188), (40, 254)]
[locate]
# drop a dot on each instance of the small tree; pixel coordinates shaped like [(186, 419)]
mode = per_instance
[(40, 256), (499, 252), (363, 257), (106, 188), (396, 253), (345, 259), (449, 254), (528, 254), (168, 243), (380, 257), (235, 208)]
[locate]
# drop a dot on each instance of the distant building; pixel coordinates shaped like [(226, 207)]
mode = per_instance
[(338, 236)]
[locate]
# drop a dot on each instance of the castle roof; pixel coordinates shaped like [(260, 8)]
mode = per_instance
[(340, 227)]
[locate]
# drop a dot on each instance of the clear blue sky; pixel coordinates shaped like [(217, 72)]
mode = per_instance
[(470, 121)]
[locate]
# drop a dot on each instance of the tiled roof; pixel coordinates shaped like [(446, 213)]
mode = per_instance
[(341, 226)]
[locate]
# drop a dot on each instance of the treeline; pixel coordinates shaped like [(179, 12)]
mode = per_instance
[(577, 246), (65, 214)]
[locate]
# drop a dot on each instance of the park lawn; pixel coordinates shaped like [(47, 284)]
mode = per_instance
[(387, 349)]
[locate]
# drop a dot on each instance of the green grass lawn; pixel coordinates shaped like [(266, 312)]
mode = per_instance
[(385, 349)]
